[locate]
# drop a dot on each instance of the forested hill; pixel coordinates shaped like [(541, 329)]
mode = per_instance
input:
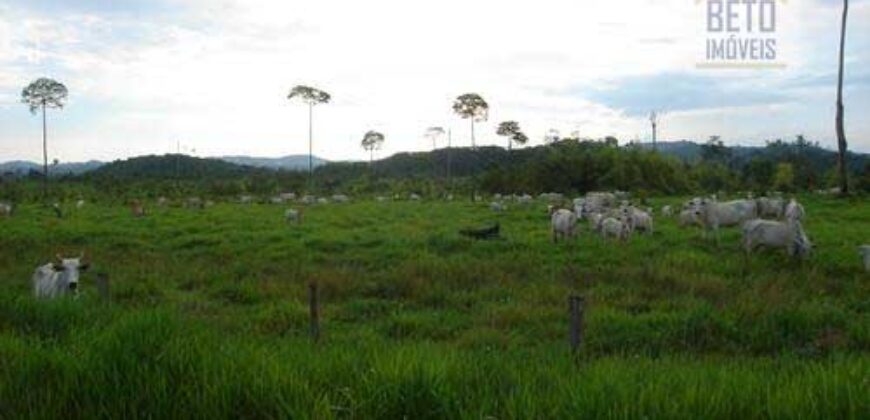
[(171, 166), (568, 165)]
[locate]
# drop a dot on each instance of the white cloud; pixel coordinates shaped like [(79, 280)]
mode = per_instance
[(215, 74)]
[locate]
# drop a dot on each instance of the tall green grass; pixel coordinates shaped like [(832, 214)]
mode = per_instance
[(208, 316)]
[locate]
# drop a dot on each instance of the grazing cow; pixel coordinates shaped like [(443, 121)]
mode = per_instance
[(599, 201), (449, 197), (80, 204), (246, 199), (287, 196), (195, 203), (293, 215), (58, 278), (712, 214), (667, 211), (563, 223), (616, 228), (322, 200), (687, 217), (137, 209), (6, 209), (773, 234), (637, 219), (276, 200), (414, 197), (864, 250), (380, 199), (496, 207), (771, 207), (595, 220), (794, 210), (340, 198), (524, 199), (308, 199)]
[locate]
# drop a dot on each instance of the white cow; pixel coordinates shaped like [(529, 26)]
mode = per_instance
[(58, 278), (80, 204), (865, 255), (5, 209), (293, 215), (287, 196), (599, 201), (667, 211), (496, 207), (380, 199), (771, 207), (773, 234), (246, 199), (794, 210), (637, 219), (562, 223), (414, 197), (595, 220), (712, 214), (195, 203), (688, 217), (322, 200), (340, 198), (308, 199), (524, 199), (616, 228)]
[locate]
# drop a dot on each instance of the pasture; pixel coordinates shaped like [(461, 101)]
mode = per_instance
[(209, 315)]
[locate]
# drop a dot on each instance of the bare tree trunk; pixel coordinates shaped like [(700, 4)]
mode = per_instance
[(655, 147), (44, 156), (841, 133), (310, 145)]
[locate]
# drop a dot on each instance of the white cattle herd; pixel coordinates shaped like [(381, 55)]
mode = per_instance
[(771, 222)]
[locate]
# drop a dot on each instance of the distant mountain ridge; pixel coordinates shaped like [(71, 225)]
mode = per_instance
[(290, 163)]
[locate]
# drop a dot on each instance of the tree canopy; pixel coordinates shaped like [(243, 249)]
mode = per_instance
[(44, 92)]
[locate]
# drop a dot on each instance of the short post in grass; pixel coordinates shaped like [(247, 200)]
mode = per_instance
[(103, 286), (575, 309), (314, 310)]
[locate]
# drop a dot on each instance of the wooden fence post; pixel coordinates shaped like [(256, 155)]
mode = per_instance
[(575, 309), (103, 286), (314, 310)]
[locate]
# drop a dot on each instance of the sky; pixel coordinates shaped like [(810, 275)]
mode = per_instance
[(145, 76)]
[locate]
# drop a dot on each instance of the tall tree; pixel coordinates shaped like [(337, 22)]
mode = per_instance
[(371, 142), (310, 96), (552, 136), (41, 94), (511, 130), (654, 121), (841, 132), (471, 106), (434, 133)]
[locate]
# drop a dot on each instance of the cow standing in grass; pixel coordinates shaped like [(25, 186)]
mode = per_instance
[(5, 210), (563, 223), (864, 250), (58, 278)]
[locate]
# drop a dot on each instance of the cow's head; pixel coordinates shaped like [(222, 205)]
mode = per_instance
[(700, 205), (69, 270)]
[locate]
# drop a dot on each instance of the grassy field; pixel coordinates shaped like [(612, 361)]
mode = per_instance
[(209, 316)]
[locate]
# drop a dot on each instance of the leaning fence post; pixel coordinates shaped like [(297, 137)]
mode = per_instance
[(314, 310), (575, 309), (103, 286)]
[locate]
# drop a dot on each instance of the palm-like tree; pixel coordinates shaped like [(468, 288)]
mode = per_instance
[(41, 94), (511, 130), (310, 96), (434, 133), (473, 107), (371, 142), (841, 133)]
